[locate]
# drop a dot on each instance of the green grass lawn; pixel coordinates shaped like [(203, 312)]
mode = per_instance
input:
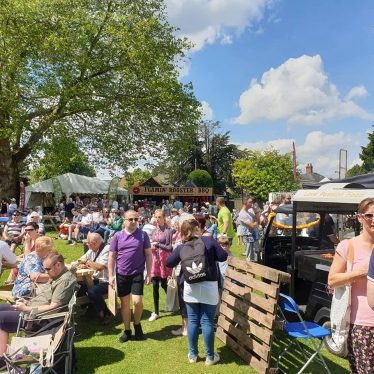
[(98, 349)]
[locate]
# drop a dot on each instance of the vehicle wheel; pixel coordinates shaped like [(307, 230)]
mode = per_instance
[(330, 346)]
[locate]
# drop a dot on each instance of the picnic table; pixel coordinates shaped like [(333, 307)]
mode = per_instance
[(48, 221)]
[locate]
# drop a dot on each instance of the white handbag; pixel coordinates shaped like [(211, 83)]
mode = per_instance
[(341, 313), (172, 301)]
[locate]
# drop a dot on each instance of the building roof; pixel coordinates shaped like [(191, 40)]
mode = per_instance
[(311, 177)]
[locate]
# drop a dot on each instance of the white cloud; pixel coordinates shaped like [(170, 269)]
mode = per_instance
[(205, 21), (207, 111), (319, 149), (359, 91), (209, 21), (226, 39), (299, 92)]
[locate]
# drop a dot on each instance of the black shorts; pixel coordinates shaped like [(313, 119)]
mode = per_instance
[(127, 284)]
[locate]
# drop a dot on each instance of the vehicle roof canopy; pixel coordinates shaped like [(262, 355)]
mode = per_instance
[(286, 209), (332, 197)]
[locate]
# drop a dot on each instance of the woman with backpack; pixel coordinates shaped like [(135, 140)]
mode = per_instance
[(200, 286)]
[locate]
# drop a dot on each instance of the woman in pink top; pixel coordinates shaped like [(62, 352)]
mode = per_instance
[(162, 246), (361, 333)]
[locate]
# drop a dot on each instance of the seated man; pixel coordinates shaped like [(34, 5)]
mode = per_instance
[(57, 292), (14, 231), (97, 258), (83, 226), (35, 217)]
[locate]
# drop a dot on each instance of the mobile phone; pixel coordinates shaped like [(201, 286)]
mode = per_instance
[(10, 302)]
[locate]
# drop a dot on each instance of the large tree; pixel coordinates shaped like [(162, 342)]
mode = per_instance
[(218, 155), (207, 150), (62, 155), (103, 71), (261, 172)]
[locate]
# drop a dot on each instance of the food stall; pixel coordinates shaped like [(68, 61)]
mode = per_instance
[(152, 190), (293, 242)]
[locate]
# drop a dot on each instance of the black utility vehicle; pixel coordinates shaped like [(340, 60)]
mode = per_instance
[(293, 243)]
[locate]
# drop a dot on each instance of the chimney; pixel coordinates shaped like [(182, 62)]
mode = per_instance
[(309, 168)]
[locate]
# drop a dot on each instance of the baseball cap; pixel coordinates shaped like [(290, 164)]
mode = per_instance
[(185, 217), (34, 214)]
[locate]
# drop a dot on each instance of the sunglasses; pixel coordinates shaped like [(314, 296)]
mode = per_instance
[(27, 230), (132, 219), (49, 269), (367, 216), (16, 214)]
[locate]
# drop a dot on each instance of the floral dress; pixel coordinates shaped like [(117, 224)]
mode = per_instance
[(32, 263), (163, 236)]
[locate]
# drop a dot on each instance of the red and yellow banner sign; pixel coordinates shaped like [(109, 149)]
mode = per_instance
[(168, 191)]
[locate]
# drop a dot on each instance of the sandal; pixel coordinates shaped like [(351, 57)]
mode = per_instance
[(106, 320)]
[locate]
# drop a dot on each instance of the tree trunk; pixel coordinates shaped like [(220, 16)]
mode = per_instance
[(9, 179)]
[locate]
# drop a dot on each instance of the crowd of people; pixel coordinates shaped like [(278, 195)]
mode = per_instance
[(132, 245), (144, 244)]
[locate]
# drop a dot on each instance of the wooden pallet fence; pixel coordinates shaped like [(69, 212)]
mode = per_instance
[(248, 311)]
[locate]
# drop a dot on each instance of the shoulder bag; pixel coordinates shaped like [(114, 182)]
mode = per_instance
[(341, 313)]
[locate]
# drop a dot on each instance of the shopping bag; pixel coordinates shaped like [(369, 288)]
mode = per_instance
[(172, 302), (112, 300)]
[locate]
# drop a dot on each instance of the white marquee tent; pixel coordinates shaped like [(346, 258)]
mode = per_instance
[(41, 193)]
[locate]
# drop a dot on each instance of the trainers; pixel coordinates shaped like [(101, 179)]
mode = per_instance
[(138, 332), (69, 242), (192, 360), (153, 317), (209, 362), (125, 336), (179, 332)]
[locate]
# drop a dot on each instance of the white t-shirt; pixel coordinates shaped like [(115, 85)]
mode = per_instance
[(87, 218), (101, 276), (6, 254), (202, 292), (149, 228), (115, 204)]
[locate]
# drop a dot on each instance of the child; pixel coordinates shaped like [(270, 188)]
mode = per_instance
[(223, 241), (64, 229)]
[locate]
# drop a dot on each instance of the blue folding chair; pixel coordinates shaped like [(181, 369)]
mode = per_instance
[(303, 330)]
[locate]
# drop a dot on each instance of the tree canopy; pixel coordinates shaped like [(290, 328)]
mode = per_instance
[(103, 71), (261, 172), (138, 175), (201, 178), (62, 156), (208, 150), (367, 157)]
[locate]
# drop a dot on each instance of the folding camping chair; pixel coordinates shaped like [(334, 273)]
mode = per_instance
[(46, 347), (302, 329)]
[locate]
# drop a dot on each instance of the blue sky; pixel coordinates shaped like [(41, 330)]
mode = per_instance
[(277, 71)]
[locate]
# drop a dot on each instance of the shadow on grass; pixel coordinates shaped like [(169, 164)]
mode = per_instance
[(91, 358), (229, 356), (89, 327), (164, 333), (293, 360)]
